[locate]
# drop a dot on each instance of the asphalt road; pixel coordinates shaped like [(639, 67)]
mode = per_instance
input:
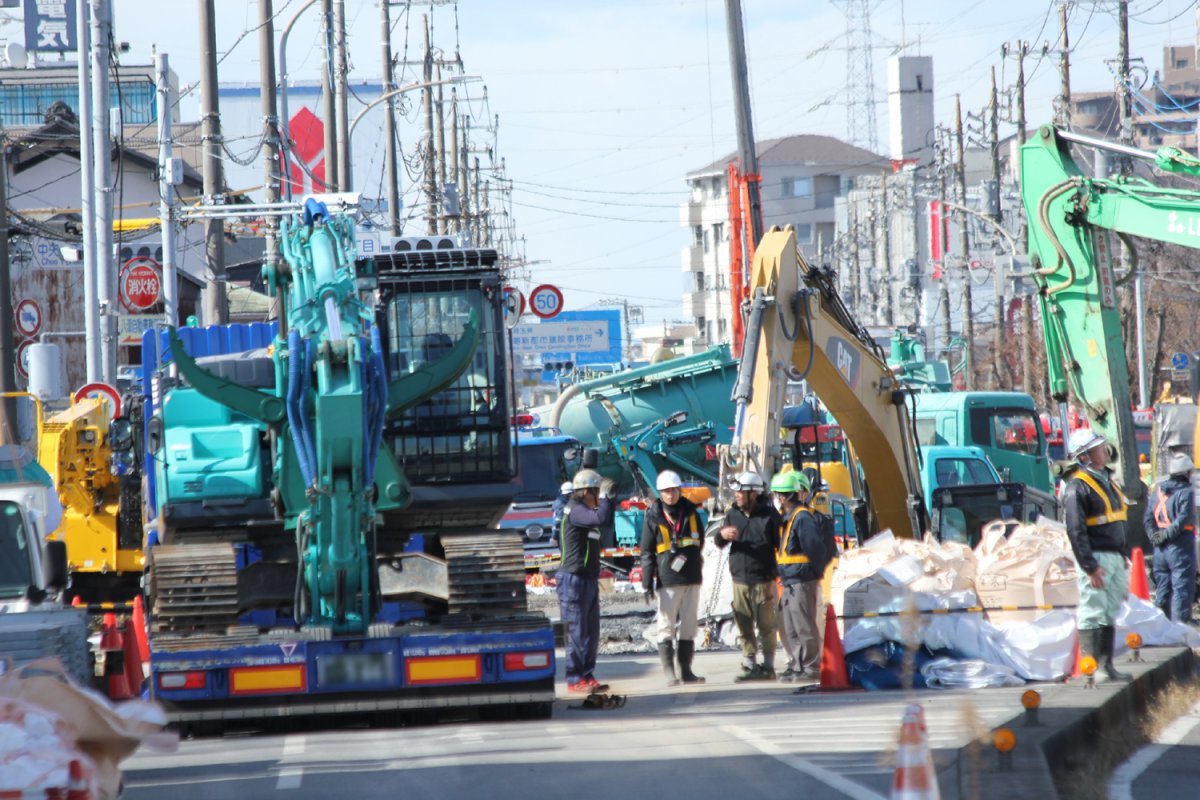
[(714, 742), (1168, 767)]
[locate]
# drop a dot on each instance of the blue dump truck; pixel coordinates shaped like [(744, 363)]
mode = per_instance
[(321, 494)]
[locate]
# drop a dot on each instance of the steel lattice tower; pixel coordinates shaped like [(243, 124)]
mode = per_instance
[(860, 76)]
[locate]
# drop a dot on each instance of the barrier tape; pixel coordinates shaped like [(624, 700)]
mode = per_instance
[(964, 610)]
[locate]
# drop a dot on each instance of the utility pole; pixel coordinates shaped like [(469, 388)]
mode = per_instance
[(440, 123), (1027, 379), (106, 279), (464, 180), (87, 178), (345, 180), (430, 176), (272, 164), (478, 221), (965, 246), (167, 179), (1064, 69), (886, 282), (944, 293), (1139, 283), (454, 170), (745, 123), (8, 350), (328, 106), (998, 358), (392, 176), (216, 307)]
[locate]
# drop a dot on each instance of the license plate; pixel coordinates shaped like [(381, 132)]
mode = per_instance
[(355, 669)]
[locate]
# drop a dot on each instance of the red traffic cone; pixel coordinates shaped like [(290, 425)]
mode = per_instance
[(833, 657), (113, 646), (134, 674), (139, 629), (915, 777), (1138, 584), (1076, 672)]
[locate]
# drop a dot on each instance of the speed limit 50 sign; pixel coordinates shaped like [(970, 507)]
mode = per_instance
[(546, 301)]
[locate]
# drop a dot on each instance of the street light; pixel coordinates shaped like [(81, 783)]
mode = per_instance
[(407, 88)]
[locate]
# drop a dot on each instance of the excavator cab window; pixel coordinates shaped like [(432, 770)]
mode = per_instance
[(462, 432), (16, 565)]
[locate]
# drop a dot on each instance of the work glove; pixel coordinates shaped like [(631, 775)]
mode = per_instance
[(608, 487), (1157, 537), (648, 593)]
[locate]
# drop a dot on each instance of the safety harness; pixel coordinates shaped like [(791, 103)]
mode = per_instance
[(783, 557), (1110, 514), (694, 538)]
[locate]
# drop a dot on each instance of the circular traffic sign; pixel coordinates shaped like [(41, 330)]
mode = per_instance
[(23, 358), (546, 301), (29, 317), (1180, 360), (110, 395), (141, 285), (514, 305)]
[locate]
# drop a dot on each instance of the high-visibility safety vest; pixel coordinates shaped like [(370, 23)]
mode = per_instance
[(1118, 514), (1162, 519), (783, 556), (692, 540)]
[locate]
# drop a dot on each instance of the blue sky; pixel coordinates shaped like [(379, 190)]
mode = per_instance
[(604, 105)]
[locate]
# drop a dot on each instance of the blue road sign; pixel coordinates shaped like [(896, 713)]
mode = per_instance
[(1180, 361)]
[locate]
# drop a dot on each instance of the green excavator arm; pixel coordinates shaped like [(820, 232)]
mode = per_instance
[(1081, 320), (261, 406)]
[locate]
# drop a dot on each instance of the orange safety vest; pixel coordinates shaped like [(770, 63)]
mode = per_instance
[(664, 533), (1118, 514), (783, 557), (1162, 519)]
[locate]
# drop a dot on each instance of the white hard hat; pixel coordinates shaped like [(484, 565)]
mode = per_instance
[(748, 482), (1082, 440), (566, 488), (586, 479), (1180, 464), (668, 479)]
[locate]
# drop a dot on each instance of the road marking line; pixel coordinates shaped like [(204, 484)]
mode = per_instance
[(833, 780), (1120, 786), (291, 776)]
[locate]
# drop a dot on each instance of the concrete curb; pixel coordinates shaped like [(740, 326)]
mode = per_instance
[(1071, 719)]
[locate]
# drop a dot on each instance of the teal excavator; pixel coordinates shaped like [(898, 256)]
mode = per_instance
[(322, 494), (1070, 218)]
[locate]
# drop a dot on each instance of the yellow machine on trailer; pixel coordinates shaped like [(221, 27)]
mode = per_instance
[(102, 534)]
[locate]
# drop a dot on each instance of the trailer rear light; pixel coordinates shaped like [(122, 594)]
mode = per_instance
[(182, 680), (524, 420), (515, 662), (268, 679)]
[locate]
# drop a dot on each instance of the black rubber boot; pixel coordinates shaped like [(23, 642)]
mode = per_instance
[(1108, 636), (687, 651), (666, 654)]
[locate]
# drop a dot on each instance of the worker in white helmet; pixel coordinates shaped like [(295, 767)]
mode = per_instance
[(671, 545), (751, 532), (1170, 523), (1095, 511), (589, 510)]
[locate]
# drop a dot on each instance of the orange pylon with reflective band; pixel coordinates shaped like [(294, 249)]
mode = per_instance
[(915, 777)]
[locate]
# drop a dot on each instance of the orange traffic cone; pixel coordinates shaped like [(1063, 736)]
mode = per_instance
[(833, 657), (1138, 584), (1076, 672), (139, 629), (134, 674), (915, 777), (113, 646)]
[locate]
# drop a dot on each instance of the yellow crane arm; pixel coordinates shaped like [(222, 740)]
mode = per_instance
[(798, 328)]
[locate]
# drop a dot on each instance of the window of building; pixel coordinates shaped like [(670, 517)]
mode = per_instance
[(718, 187), (1181, 63), (707, 240), (721, 329), (700, 323), (804, 234), (718, 232), (699, 281), (697, 235), (797, 187)]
